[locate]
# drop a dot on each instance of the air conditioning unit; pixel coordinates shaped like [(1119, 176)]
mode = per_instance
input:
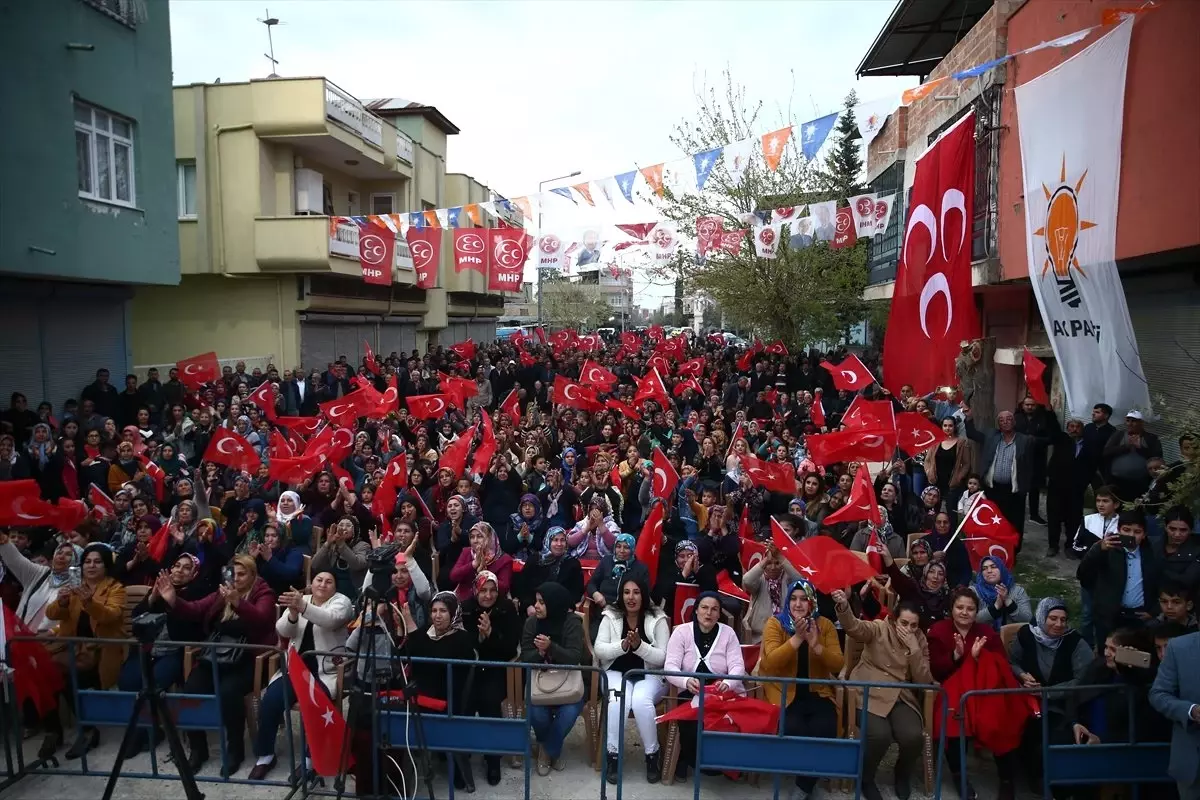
[(308, 192)]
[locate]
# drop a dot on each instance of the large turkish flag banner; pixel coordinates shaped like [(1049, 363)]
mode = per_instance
[(933, 308)]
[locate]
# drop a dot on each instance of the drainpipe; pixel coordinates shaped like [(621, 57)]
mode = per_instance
[(219, 129)]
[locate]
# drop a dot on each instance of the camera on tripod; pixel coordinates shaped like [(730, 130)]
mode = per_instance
[(148, 627), (381, 564)]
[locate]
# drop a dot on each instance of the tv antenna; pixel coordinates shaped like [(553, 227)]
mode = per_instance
[(271, 22)]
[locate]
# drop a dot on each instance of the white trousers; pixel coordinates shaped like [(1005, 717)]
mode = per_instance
[(640, 698)]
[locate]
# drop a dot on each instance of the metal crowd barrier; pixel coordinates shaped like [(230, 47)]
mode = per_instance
[(779, 754), (1128, 762)]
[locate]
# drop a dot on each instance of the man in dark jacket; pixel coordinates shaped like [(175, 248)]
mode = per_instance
[(1126, 455), (1070, 469), (1041, 425), (1121, 572), (1095, 435), (104, 396), (152, 396), (1005, 464)]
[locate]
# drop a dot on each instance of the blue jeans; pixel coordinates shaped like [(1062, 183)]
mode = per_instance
[(168, 672), (276, 700), (551, 724)]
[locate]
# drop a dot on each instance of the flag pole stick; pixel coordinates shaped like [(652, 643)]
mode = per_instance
[(963, 521)]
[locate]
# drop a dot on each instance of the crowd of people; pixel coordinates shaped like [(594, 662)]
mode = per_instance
[(530, 551)]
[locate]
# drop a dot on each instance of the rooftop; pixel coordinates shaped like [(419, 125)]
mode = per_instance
[(919, 34), (399, 107)]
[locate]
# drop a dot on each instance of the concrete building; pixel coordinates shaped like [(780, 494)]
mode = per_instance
[(520, 309), (87, 177), (266, 273), (608, 284), (1158, 236)]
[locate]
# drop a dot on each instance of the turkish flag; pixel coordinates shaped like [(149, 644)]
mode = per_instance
[(376, 254), (726, 586), (264, 398), (787, 548), (665, 476), (394, 479), (294, 470), (624, 409), (777, 348), (861, 503), (157, 477), (752, 552), (738, 433), (817, 412), (279, 447), (590, 343), (851, 375), (34, 675), (343, 411), (844, 233), (651, 387), (371, 363), (512, 407), (1035, 384), (915, 434), (717, 339), (454, 457), (198, 370), (593, 374), (230, 449), (631, 341), (324, 727), (690, 383), (685, 603), (343, 477), (650, 541), (564, 338), (866, 444), (101, 502), (774, 476), (986, 532), (305, 426), (509, 248), (427, 406), (875, 551), (389, 401), (320, 444), (464, 350), (24, 510), (695, 368), (834, 565), (470, 250), (655, 333), (425, 247), (864, 413), (566, 392), (487, 446), (933, 307), (457, 390), (745, 529)]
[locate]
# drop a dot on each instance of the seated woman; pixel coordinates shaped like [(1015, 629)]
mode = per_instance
[(134, 565), (593, 536), (316, 621), (445, 638), (951, 642), (482, 555), (894, 651), (280, 563), (706, 646), (1047, 652), (293, 523), (958, 565), (126, 469), (495, 625), (633, 635), (606, 579), (40, 581), (451, 538), (343, 554), (919, 556), (1001, 599), (166, 660), (525, 530), (798, 642), (208, 544), (930, 595), (765, 582), (555, 565), (239, 611), (553, 636), (93, 609)]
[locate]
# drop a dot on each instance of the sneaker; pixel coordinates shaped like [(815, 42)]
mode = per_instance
[(543, 762), (611, 768)]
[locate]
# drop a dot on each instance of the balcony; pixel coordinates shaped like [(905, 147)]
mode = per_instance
[(306, 244), (344, 109)]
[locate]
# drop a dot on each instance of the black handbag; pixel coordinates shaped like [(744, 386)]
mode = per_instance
[(223, 649)]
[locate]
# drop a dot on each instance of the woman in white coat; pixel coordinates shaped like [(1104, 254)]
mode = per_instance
[(633, 635), (315, 623)]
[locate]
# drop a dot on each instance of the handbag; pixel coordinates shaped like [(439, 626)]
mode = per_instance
[(223, 651), (556, 687)]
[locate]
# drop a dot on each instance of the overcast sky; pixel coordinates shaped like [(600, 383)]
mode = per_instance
[(541, 89)]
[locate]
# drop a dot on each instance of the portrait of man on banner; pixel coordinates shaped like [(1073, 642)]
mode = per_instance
[(802, 233), (589, 253), (822, 217)]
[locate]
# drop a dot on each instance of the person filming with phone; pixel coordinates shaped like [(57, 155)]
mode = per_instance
[(1121, 571)]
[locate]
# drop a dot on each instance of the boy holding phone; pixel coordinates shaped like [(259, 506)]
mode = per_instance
[(1121, 573)]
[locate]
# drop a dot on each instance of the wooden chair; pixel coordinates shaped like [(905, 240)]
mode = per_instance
[(513, 705), (1008, 634), (592, 710), (308, 570)]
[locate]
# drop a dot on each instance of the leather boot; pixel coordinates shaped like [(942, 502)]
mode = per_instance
[(197, 749), (611, 768), (654, 767)]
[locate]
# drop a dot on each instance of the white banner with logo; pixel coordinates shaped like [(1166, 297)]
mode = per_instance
[(1070, 129)]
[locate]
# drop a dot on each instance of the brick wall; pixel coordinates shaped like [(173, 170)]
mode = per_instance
[(888, 143)]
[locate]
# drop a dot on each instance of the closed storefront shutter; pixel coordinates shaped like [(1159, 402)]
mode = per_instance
[(1168, 335), (453, 333), (318, 346), (397, 336), (21, 357), (78, 338), (483, 333)]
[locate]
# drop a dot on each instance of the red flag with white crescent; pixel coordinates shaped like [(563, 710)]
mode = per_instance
[(868, 444), (817, 412), (593, 374), (915, 434), (665, 476), (231, 449), (861, 504), (986, 532), (454, 457), (427, 406), (752, 553), (369, 358), (566, 392), (198, 370), (512, 407), (470, 250), (264, 398), (651, 387), (650, 541), (464, 350), (775, 477), (324, 726), (509, 250), (305, 426), (685, 603), (851, 375), (864, 413)]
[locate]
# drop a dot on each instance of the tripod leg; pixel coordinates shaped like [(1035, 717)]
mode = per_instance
[(159, 712), (126, 741)]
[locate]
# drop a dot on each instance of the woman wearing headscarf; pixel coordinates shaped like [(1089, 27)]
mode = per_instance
[(707, 646), (633, 635), (931, 594), (553, 636), (593, 536), (798, 642), (134, 564), (501, 493), (919, 556), (483, 554), (604, 586), (685, 568), (209, 545), (444, 639), (310, 622), (40, 582), (495, 626), (958, 564), (280, 563), (93, 609), (343, 554), (45, 462), (451, 538), (125, 469), (13, 463), (767, 583), (555, 565), (170, 463), (559, 499), (1001, 599), (293, 522), (239, 611), (525, 529)]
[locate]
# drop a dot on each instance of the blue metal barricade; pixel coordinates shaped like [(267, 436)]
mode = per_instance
[(778, 753), (1127, 762)]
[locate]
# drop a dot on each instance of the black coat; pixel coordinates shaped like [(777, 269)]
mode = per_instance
[(504, 641), (1103, 573), (1068, 470)]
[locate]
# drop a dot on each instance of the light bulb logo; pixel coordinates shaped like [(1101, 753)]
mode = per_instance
[(1064, 224)]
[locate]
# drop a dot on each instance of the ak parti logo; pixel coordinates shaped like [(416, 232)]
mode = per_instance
[(1064, 224)]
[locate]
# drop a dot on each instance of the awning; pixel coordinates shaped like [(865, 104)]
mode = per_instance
[(919, 34)]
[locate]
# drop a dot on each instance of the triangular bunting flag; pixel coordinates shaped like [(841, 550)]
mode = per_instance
[(704, 163), (625, 183), (772, 146), (654, 177)]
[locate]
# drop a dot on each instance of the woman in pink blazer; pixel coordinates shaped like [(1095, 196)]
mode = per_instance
[(705, 646)]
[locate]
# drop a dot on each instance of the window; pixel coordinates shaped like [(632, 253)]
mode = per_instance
[(383, 204), (104, 155), (123, 10), (187, 189)]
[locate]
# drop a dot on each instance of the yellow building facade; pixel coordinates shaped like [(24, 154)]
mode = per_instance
[(263, 167)]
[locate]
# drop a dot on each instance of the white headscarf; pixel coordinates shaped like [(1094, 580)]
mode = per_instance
[(286, 518)]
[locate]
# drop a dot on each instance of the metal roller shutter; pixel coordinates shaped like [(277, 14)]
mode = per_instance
[(318, 346), (399, 337), (484, 333), (453, 333), (1168, 336), (21, 358), (78, 338)]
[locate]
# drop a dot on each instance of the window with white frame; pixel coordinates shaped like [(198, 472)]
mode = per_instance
[(383, 203), (104, 155), (187, 189)]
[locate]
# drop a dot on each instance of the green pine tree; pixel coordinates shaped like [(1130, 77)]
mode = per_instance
[(838, 178)]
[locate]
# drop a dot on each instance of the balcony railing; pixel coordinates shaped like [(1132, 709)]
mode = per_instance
[(404, 147), (344, 109), (344, 242)]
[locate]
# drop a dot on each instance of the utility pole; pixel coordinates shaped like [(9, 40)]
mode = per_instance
[(538, 266)]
